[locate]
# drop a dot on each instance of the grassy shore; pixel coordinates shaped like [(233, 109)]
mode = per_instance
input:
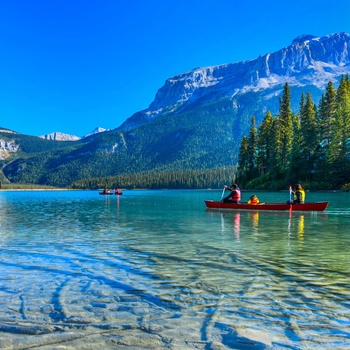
[(14, 187)]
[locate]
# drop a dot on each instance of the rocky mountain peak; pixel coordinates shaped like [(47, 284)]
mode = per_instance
[(303, 38), (59, 136), (97, 130), (309, 61)]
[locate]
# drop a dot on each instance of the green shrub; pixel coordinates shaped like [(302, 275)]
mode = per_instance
[(346, 187)]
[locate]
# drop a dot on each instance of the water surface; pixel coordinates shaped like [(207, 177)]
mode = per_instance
[(156, 269)]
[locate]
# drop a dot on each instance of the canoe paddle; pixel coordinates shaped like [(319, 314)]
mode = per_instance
[(223, 191), (290, 199)]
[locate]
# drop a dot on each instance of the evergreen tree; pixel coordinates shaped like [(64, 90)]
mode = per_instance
[(309, 138), (326, 114), (339, 149), (252, 151), (296, 159), (342, 90), (284, 133), (324, 131), (243, 159), (265, 143)]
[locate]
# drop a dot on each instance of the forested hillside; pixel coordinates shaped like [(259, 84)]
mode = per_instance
[(18, 148), (193, 140)]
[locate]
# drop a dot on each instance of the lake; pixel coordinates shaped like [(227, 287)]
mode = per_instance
[(157, 270)]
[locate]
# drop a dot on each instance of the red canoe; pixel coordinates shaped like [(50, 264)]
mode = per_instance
[(316, 206), (111, 193)]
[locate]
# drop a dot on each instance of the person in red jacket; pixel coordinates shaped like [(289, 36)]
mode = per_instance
[(234, 196)]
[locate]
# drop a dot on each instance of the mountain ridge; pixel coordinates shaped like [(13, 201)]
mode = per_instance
[(60, 136), (309, 60)]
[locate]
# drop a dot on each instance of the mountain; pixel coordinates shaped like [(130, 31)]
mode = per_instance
[(308, 64), (97, 130), (59, 136), (196, 120)]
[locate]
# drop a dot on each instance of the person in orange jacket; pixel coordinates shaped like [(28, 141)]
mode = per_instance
[(253, 199)]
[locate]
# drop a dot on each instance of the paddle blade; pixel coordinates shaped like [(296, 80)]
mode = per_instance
[(223, 191)]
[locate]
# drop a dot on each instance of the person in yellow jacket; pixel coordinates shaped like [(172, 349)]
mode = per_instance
[(298, 195)]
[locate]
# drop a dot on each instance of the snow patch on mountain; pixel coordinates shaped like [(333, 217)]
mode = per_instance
[(303, 38), (97, 130), (8, 131)]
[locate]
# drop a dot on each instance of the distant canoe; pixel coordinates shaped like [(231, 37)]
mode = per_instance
[(111, 193), (316, 206)]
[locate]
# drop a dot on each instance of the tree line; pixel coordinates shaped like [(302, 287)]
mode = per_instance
[(180, 179), (311, 146)]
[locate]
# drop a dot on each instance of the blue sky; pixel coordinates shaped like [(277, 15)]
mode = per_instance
[(73, 65)]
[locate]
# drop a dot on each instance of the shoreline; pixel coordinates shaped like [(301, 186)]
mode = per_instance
[(34, 189)]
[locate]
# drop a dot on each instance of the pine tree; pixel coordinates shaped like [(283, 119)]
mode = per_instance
[(342, 91), (326, 114), (284, 133), (309, 137), (265, 143), (339, 149), (252, 151), (243, 158), (296, 159)]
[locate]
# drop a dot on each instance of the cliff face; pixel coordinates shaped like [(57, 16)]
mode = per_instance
[(7, 147), (308, 62)]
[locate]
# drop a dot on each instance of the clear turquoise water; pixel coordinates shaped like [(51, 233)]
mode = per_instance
[(157, 270)]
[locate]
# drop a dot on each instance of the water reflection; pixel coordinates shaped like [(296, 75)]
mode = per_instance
[(253, 218), (289, 230), (117, 208), (293, 226), (232, 223), (237, 225), (301, 226)]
